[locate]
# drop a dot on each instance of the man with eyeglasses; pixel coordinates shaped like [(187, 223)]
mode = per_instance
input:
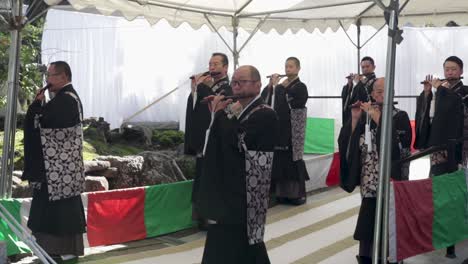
[(289, 100), (234, 189), (53, 165), (198, 116)]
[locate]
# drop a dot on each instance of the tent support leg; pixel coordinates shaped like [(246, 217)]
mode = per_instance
[(12, 98), (235, 34), (358, 46), (257, 28), (217, 32), (381, 215)]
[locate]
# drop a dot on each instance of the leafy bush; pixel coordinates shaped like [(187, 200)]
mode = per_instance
[(30, 74), (167, 138)]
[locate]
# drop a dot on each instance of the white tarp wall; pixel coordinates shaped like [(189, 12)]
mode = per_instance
[(119, 66)]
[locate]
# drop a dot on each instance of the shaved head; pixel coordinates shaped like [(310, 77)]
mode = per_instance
[(378, 89), (246, 82)]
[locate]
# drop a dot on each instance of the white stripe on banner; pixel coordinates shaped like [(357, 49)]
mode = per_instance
[(84, 200), (392, 234), (318, 168)]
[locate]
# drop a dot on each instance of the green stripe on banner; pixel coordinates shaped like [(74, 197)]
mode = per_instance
[(450, 209), (320, 136), (14, 245), (168, 208)]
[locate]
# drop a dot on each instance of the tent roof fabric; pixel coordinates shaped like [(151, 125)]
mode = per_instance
[(280, 15)]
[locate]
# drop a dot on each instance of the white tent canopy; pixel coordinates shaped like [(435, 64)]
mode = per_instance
[(280, 15)]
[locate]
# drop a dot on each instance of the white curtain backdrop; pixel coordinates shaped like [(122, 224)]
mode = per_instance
[(119, 67)]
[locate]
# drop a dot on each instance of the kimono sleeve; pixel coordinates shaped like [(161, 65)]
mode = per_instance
[(300, 96), (350, 163)]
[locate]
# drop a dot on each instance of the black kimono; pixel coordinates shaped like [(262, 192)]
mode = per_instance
[(360, 167), (350, 95), (234, 189), (437, 127), (197, 120), (402, 126), (57, 225), (289, 173)]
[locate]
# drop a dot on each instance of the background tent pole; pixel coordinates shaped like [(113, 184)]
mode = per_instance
[(12, 98), (381, 215)]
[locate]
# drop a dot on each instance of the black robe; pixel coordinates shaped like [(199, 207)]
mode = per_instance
[(447, 123), (402, 126), (285, 170), (350, 95), (222, 192), (198, 115), (197, 120), (62, 218), (352, 173)]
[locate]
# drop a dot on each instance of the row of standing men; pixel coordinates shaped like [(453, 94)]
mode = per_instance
[(235, 142), (440, 116), (235, 157)]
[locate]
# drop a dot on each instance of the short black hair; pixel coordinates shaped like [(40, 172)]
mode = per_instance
[(224, 58), (296, 61), (455, 59), (62, 66), (369, 59)]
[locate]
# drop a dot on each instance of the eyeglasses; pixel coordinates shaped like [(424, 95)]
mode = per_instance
[(241, 82), (48, 74)]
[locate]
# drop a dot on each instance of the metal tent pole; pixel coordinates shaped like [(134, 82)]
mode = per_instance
[(358, 24), (12, 97), (235, 33), (381, 215)]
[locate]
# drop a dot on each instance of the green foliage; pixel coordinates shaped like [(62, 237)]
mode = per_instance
[(30, 55), (93, 148), (167, 138), (19, 149), (95, 145)]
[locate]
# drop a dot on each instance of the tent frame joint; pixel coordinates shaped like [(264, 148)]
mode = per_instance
[(216, 31)]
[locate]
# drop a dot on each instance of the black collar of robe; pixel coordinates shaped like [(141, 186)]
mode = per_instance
[(292, 83), (254, 103)]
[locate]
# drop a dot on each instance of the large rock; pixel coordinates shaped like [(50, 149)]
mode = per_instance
[(19, 188), (160, 167), (96, 183), (109, 173), (97, 129), (147, 168), (129, 168), (95, 165), (137, 133)]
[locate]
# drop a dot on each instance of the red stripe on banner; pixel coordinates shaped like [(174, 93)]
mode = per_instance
[(116, 216), (414, 209), (333, 177)]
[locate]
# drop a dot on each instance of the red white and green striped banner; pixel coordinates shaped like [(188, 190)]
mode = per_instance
[(324, 171), (428, 214), (16, 208), (118, 216)]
